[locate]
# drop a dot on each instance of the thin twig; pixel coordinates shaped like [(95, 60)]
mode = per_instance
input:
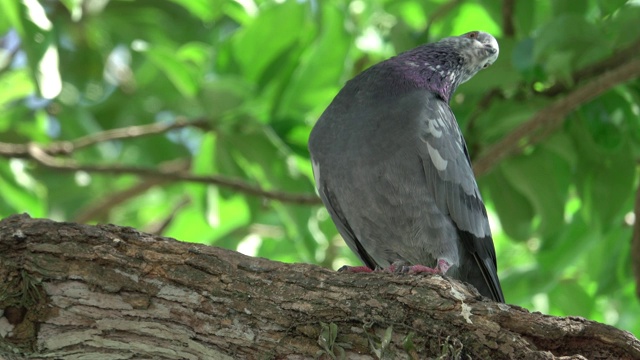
[(234, 184), (129, 132), (554, 114), (66, 147)]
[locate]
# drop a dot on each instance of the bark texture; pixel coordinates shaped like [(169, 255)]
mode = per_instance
[(70, 291)]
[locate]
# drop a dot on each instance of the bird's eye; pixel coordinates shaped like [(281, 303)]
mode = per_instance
[(472, 35)]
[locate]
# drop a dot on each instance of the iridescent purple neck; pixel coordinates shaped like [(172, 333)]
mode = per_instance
[(432, 69)]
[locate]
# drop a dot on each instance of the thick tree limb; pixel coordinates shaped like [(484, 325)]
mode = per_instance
[(554, 114), (77, 291)]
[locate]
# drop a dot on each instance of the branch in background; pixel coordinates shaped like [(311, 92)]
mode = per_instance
[(129, 132), (555, 114), (135, 132), (635, 243), (507, 18), (44, 159), (615, 60), (101, 208), (43, 155)]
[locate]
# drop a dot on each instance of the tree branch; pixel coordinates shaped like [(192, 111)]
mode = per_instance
[(107, 291), (129, 132), (44, 156), (234, 184), (554, 114)]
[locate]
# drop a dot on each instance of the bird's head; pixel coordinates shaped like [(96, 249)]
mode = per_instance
[(478, 50), (442, 66)]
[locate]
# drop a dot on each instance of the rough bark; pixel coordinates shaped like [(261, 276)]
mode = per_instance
[(107, 292)]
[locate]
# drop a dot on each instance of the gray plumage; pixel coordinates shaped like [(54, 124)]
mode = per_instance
[(393, 170)]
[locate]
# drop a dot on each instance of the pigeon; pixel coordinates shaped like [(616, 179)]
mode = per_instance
[(393, 170)]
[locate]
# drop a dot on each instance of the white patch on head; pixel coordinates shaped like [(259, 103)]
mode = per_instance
[(436, 158), (411, 63)]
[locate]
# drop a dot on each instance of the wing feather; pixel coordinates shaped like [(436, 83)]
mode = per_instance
[(455, 187)]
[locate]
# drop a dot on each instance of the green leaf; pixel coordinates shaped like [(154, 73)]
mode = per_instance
[(610, 6), (19, 191), (610, 273), (569, 7), (181, 75), (606, 168), (543, 179), (580, 303), (15, 85), (621, 26), (11, 16), (565, 249), (525, 16), (248, 46), (514, 209), (321, 68), (504, 116), (205, 10), (573, 37)]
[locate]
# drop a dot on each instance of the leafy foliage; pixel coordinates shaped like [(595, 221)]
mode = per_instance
[(257, 74)]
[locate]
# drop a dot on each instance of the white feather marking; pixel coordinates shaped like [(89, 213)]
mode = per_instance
[(434, 128), (316, 172), (436, 158), (441, 121)]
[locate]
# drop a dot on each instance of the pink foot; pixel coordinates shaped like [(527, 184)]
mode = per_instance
[(441, 268), (355, 269)]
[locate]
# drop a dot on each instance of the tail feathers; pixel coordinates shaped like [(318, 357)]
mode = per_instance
[(488, 270)]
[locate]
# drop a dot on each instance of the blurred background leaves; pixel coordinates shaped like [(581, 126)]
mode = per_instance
[(251, 77)]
